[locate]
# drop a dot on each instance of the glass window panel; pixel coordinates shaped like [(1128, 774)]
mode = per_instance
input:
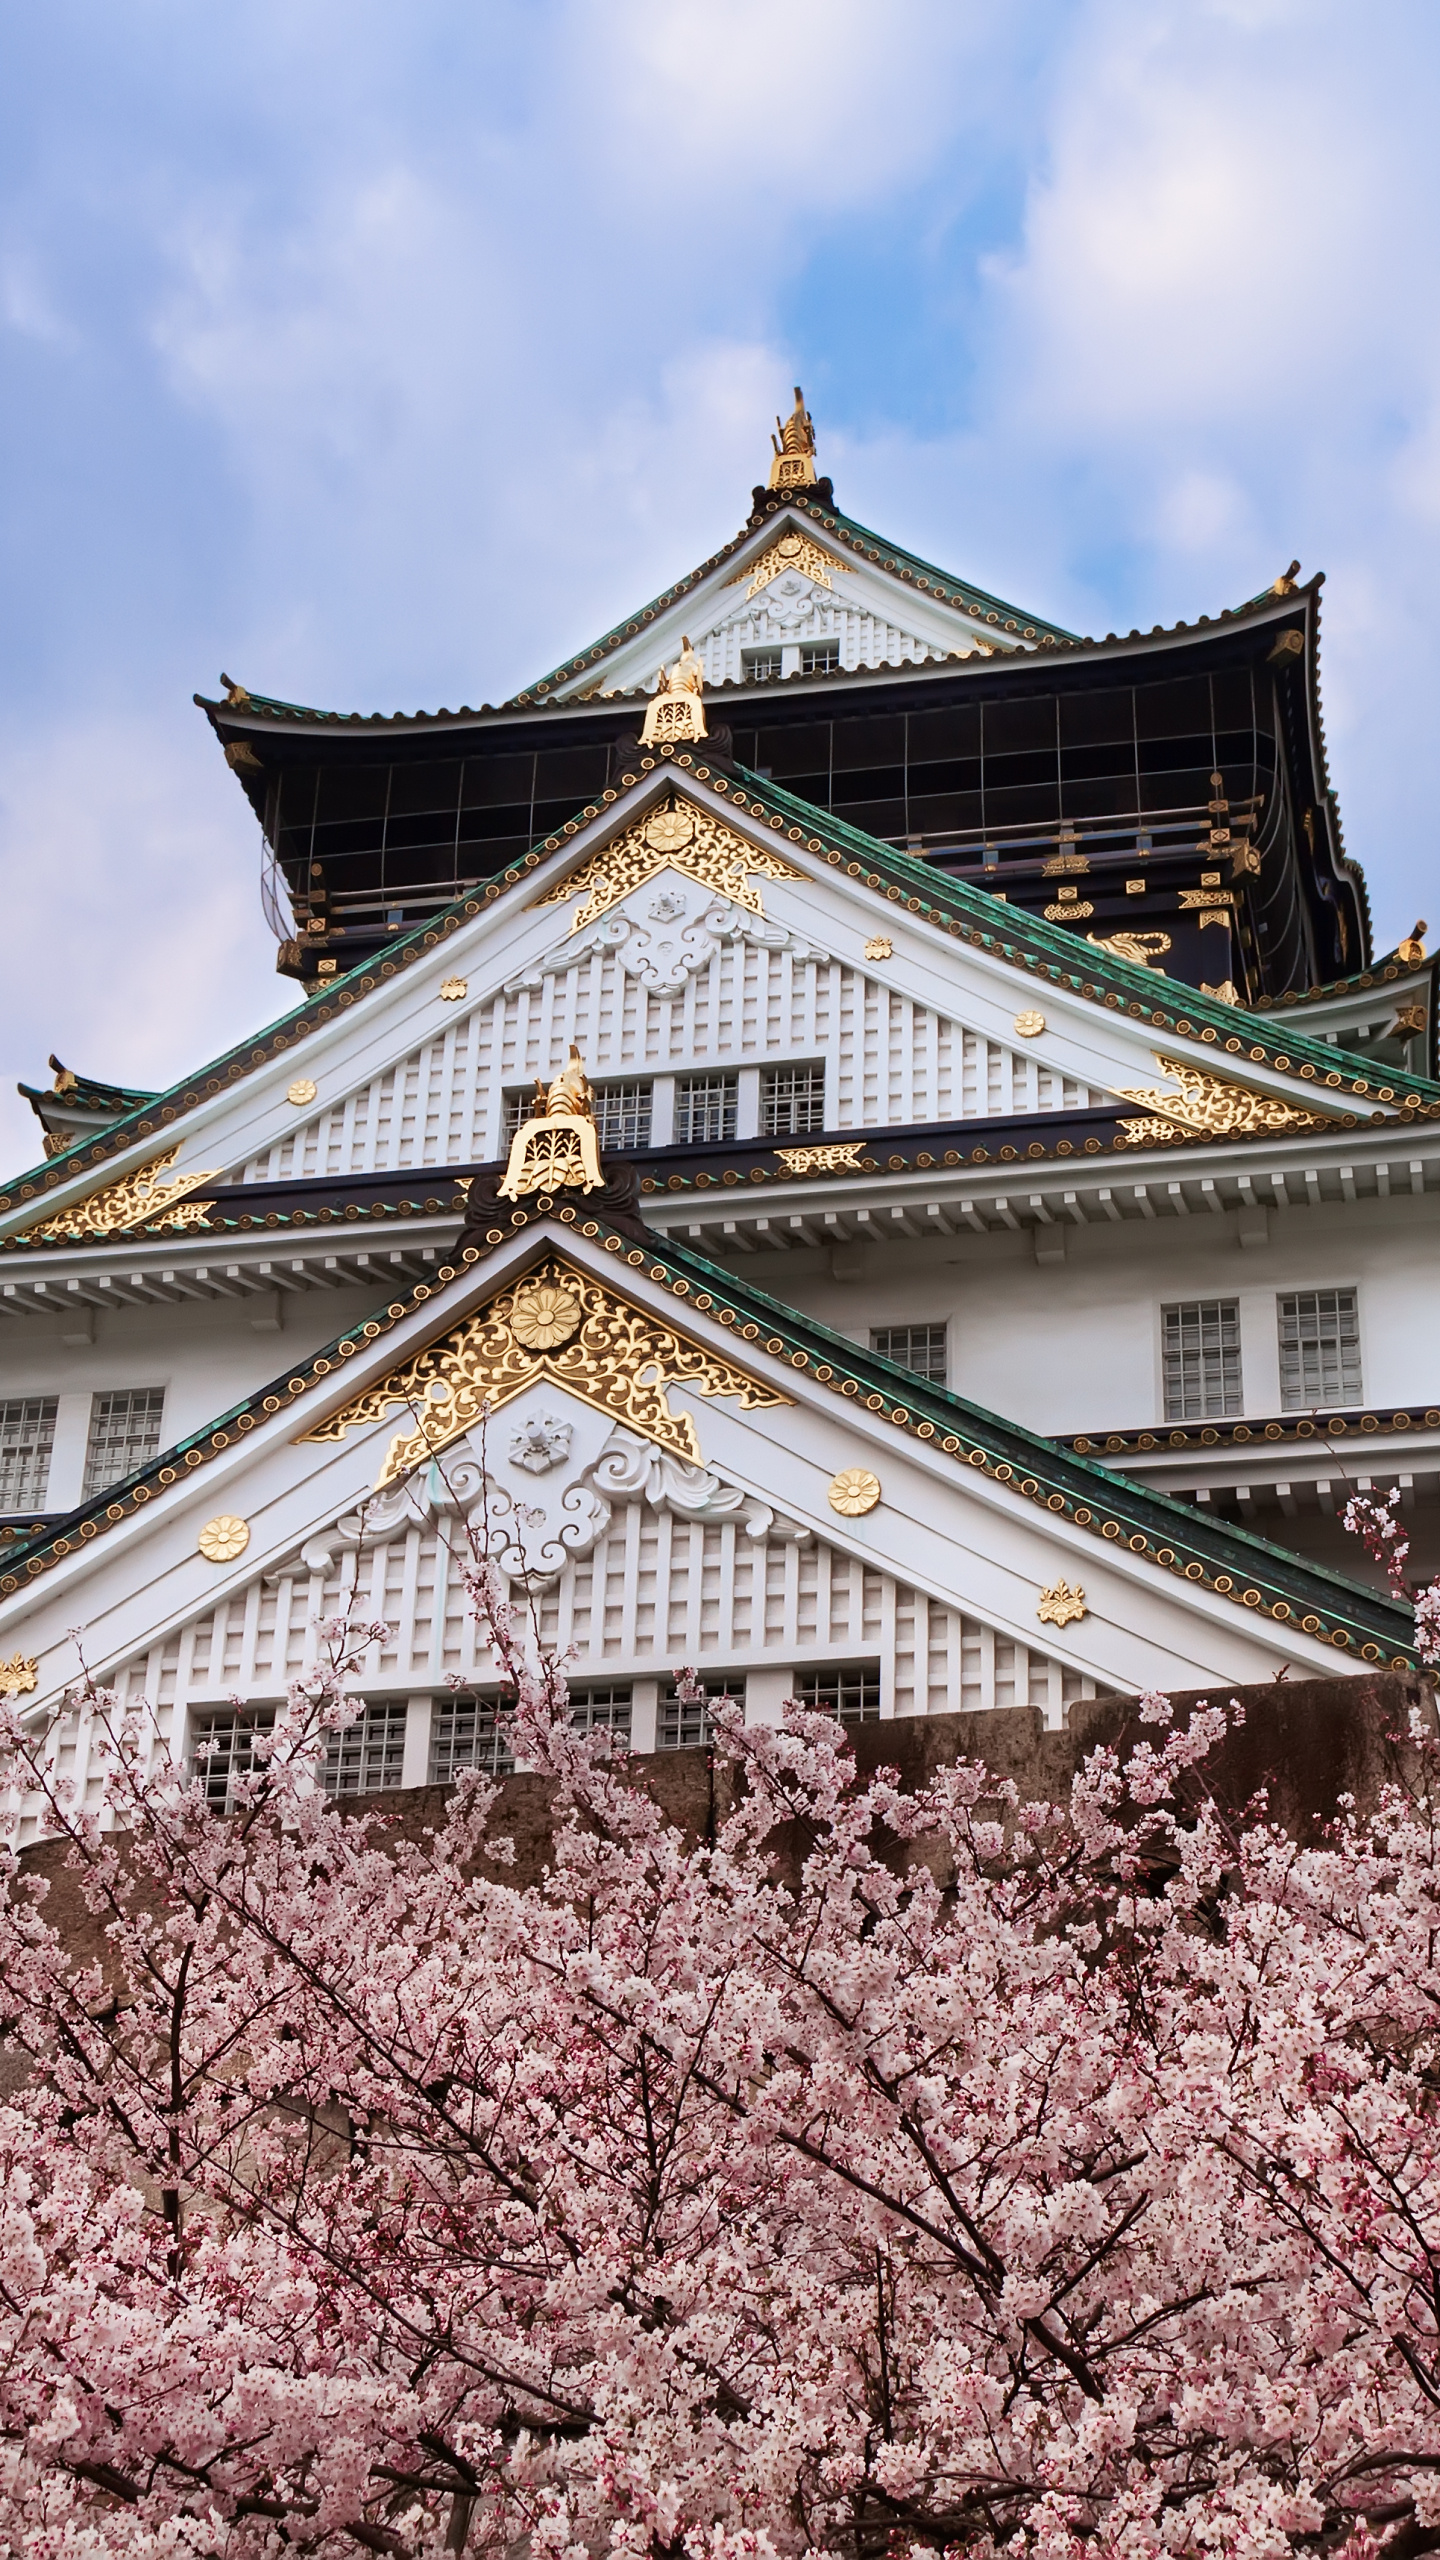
[(1013, 726), (222, 1751), (27, 1436), (861, 744), (425, 786), (791, 1099), (819, 657), (941, 735), (686, 1726), (1175, 710), (498, 782), (920, 1347), (124, 1435), (369, 1754), (852, 1692), (1319, 1348), (602, 1706), (467, 1732), (801, 748), (762, 666), (1087, 719), (1201, 1356), (622, 1115), (705, 1108)]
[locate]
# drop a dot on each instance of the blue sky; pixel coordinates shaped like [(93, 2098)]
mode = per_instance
[(382, 356)]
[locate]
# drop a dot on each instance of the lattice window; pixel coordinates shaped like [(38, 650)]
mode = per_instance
[(684, 1724), (27, 1436), (468, 1732), (602, 1705), (851, 1693), (1319, 1348), (369, 1754), (705, 1107), (622, 1116), (124, 1435), (920, 1347), (515, 1109), (792, 1099), (762, 666), (1201, 1343), (222, 1751), (819, 657)]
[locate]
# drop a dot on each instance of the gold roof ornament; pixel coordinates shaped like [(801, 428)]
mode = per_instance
[(152, 1197), (1412, 949), (678, 837), (793, 465), (675, 709), (558, 1149)]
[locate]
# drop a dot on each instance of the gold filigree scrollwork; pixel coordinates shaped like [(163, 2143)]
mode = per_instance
[(1206, 1107), (145, 1199), (1058, 1604), (841, 1159), (677, 837), (19, 1675), (792, 551), (558, 1325)]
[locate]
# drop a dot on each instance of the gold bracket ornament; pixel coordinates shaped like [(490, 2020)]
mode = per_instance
[(143, 1199), (560, 1326), (1145, 949), (1058, 1604), (559, 1149), (678, 837), (1206, 1107), (19, 1675)]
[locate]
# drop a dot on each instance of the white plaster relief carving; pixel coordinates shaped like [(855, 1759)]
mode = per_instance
[(663, 963)]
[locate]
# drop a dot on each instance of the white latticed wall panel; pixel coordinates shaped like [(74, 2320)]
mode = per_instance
[(889, 1061)]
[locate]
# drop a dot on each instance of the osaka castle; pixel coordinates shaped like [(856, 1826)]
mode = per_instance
[(850, 1137)]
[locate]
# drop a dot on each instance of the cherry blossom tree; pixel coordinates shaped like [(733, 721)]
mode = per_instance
[(886, 2173)]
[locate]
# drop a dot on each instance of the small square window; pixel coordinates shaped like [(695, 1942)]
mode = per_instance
[(852, 1693), (369, 1754), (515, 1109), (27, 1437), (1319, 1349), (602, 1706), (819, 657), (468, 1733), (622, 1116), (792, 1099), (920, 1347), (705, 1108), (1201, 1349), (762, 666), (685, 1726), (124, 1435), (222, 1751)]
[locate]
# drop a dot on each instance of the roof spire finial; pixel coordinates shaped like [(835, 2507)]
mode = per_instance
[(793, 464)]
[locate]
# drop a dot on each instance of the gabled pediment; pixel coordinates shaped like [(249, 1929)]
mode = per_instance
[(799, 577), (566, 1374), (420, 1025)]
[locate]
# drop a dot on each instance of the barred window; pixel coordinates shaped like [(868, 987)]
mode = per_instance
[(369, 1754), (705, 1107), (1319, 1348), (222, 1751), (468, 1733), (851, 1693), (684, 1725), (762, 666), (124, 1435), (791, 1099), (515, 1109), (920, 1347), (1201, 1343), (602, 1704), (622, 1116), (819, 657), (27, 1436)]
